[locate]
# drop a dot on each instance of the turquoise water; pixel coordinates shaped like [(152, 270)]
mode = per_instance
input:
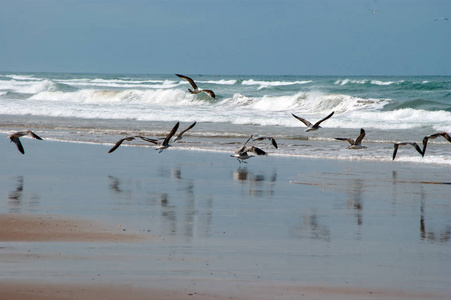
[(102, 108)]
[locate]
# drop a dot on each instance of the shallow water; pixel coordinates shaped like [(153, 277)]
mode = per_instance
[(279, 219)]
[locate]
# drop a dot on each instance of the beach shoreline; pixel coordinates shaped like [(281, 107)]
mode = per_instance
[(192, 224)]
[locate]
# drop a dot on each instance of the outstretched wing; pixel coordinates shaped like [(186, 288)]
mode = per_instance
[(154, 141), (415, 145), (350, 141), (34, 135), (273, 142), (169, 136), (193, 84), (118, 143), (255, 150), (211, 93), (395, 150), (425, 144), (307, 123), (322, 120), (191, 126), (359, 139), (271, 139), (16, 141)]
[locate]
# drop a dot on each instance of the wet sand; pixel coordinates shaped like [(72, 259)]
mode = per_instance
[(78, 223)]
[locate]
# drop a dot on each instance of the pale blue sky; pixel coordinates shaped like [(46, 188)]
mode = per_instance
[(258, 37)]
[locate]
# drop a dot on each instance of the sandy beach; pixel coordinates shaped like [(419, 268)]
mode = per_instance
[(79, 223)]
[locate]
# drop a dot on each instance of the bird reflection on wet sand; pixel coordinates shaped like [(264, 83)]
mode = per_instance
[(17, 193), (259, 184)]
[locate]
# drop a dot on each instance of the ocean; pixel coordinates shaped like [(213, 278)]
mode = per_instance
[(102, 108)]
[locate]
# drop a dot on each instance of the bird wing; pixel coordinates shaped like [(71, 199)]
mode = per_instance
[(444, 134), (193, 84), (360, 137), (154, 141), (191, 126), (307, 123), (255, 150), (350, 141), (211, 93), (395, 150), (261, 138), (322, 120), (415, 145), (273, 142), (240, 150), (34, 135), (16, 141), (169, 136), (118, 143), (425, 144)]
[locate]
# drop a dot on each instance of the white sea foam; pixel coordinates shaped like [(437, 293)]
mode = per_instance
[(346, 81), (27, 87), (245, 107), (268, 84)]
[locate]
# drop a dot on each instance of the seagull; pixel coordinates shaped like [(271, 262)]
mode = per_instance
[(165, 144), (373, 11), (434, 136), (441, 19), (179, 136), (357, 143), (396, 145), (196, 89), (261, 138), (131, 138), (310, 125), (242, 153), (14, 137)]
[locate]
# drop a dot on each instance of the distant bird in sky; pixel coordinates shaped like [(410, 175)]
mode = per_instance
[(131, 138), (261, 138), (196, 90), (441, 19), (357, 143), (373, 11), (434, 136), (179, 136), (415, 145), (243, 152), (310, 125), (14, 137)]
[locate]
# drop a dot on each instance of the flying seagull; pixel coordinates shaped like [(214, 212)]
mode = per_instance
[(196, 89), (131, 138), (415, 145), (434, 136), (179, 136), (261, 138), (14, 137), (357, 143), (165, 144), (373, 11), (242, 153), (310, 125), (441, 19)]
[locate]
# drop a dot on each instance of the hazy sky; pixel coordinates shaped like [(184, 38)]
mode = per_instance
[(251, 37)]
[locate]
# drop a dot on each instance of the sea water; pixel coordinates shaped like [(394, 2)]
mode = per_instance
[(102, 108)]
